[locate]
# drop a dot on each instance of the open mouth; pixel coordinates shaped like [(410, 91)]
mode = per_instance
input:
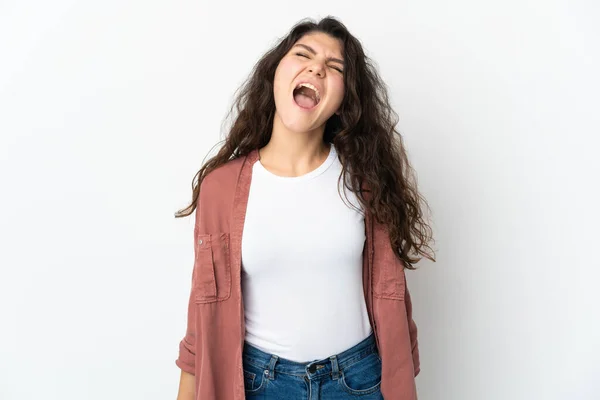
[(306, 96)]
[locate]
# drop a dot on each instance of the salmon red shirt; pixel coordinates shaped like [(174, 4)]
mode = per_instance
[(212, 346)]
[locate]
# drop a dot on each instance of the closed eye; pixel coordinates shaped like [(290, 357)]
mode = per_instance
[(304, 55)]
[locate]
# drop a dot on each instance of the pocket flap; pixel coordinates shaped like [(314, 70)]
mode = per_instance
[(212, 270)]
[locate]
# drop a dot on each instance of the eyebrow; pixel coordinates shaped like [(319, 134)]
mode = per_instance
[(337, 60)]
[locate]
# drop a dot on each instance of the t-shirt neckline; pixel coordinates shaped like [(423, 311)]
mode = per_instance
[(309, 175)]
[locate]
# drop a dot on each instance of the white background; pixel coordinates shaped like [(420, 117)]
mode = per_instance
[(108, 108)]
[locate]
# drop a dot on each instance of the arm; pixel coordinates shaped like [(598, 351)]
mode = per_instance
[(186, 360), (412, 328), (187, 386), (187, 346)]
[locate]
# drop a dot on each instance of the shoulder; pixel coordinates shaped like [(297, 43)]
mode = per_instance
[(223, 177), (218, 188)]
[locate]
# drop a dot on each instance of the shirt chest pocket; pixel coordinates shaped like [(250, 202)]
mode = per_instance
[(212, 268), (389, 279)]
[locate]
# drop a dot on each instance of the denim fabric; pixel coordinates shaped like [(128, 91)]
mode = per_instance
[(354, 373)]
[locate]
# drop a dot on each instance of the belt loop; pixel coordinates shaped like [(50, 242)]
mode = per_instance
[(335, 373), (272, 366)]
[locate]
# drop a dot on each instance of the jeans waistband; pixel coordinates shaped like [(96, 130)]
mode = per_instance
[(325, 366)]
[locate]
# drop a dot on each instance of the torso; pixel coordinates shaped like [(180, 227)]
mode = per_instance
[(302, 264)]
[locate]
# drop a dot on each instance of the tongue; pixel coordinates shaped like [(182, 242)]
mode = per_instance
[(304, 101)]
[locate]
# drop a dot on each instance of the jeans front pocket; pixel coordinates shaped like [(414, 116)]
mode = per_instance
[(212, 269), (255, 378), (362, 377)]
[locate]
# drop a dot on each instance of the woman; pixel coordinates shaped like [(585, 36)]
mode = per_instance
[(298, 291)]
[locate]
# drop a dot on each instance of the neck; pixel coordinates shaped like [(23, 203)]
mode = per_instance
[(291, 153)]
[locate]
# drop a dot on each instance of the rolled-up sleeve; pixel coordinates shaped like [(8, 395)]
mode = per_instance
[(187, 348)]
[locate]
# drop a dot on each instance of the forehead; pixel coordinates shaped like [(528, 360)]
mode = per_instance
[(322, 43)]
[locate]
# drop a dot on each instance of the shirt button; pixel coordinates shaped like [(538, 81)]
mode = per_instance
[(200, 241)]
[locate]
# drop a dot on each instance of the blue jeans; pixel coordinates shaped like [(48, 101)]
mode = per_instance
[(354, 373)]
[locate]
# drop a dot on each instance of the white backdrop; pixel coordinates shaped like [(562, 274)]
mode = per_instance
[(108, 108)]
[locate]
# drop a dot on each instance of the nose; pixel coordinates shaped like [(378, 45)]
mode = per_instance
[(318, 69)]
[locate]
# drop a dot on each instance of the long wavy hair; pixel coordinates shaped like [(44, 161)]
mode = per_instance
[(370, 150)]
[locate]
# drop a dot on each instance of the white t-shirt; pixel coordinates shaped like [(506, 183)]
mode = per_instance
[(302, 264)]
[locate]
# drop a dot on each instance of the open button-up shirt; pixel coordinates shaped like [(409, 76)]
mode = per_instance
[(212, 346)]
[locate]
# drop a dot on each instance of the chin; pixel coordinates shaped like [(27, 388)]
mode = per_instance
[(296, 122)]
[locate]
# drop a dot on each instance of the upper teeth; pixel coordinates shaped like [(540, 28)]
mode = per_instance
[(308, 85)]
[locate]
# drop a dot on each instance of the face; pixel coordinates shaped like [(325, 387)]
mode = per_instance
[(316, 59)]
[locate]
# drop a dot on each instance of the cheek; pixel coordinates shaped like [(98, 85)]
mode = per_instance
[(283, 75), (337, 90)]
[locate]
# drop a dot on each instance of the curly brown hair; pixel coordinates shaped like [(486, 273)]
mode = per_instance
[(370, 150)]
